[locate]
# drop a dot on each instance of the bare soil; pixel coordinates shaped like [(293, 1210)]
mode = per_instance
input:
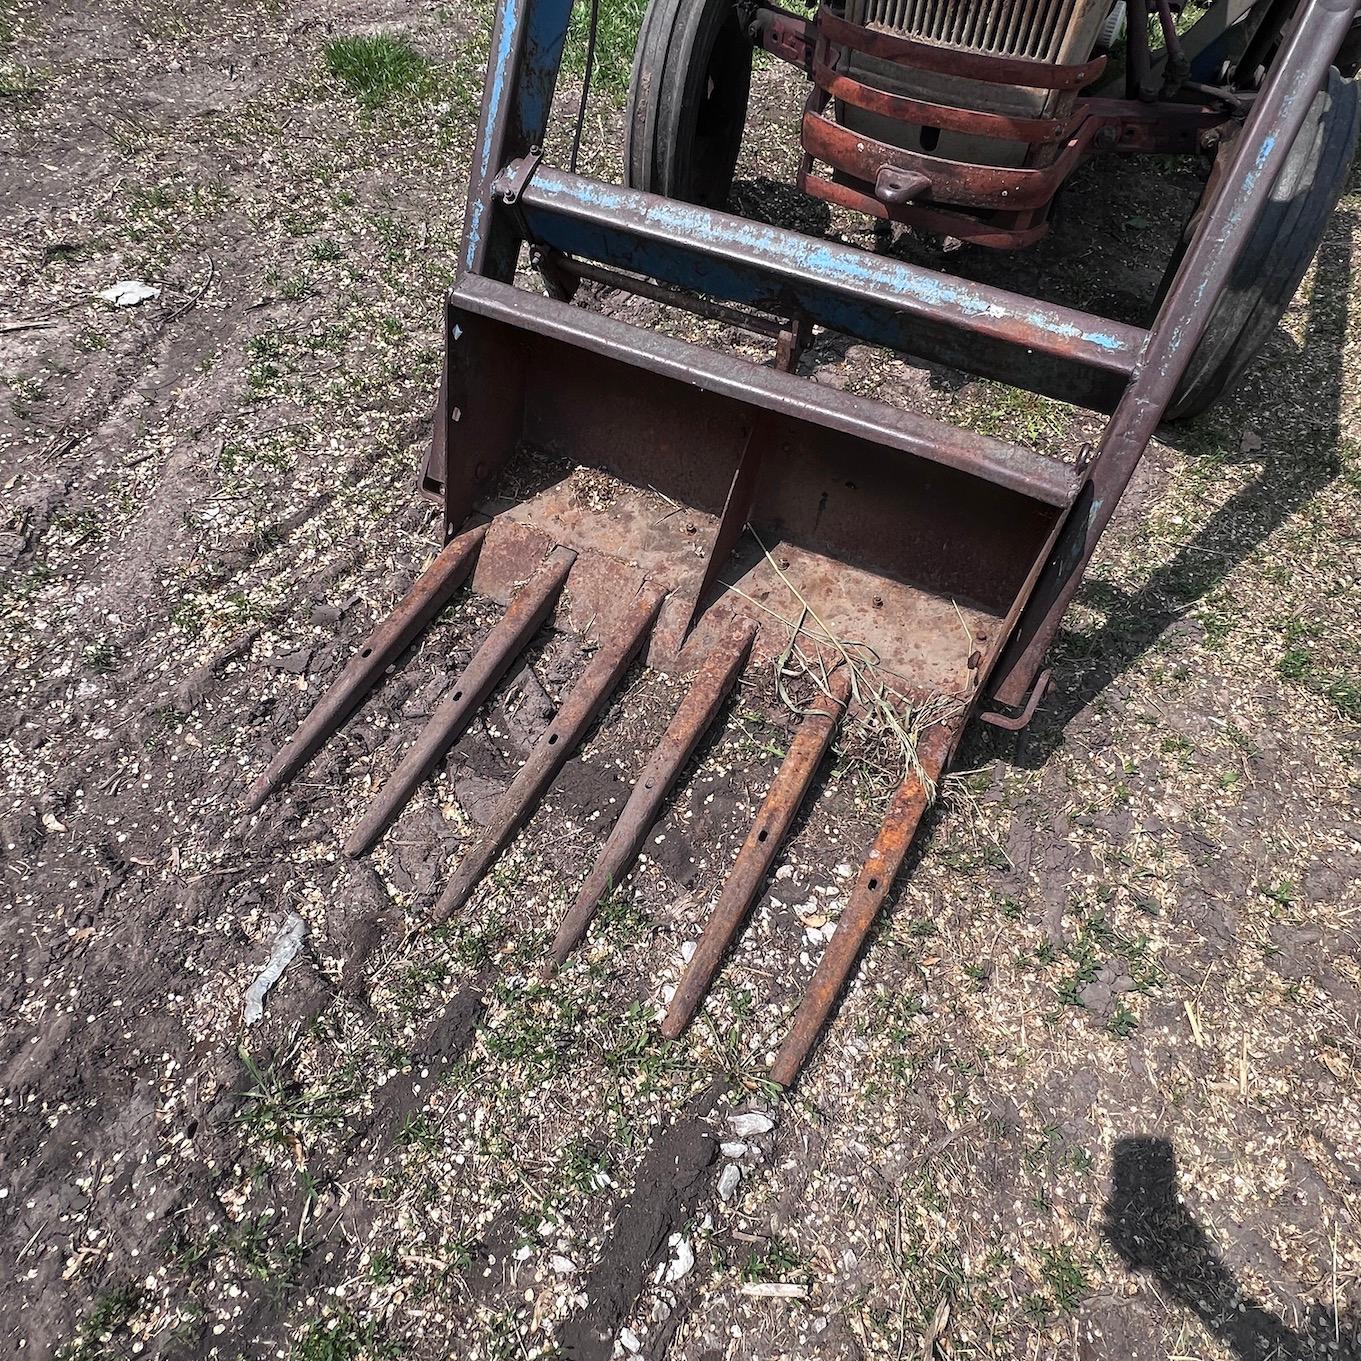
[(1094, 1092)]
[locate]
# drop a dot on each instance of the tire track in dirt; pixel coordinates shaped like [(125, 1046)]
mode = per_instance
[(675, 1178)]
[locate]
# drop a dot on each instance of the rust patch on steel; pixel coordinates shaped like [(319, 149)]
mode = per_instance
[(366, 668), (768, 832), (880, 869), (702, 702)]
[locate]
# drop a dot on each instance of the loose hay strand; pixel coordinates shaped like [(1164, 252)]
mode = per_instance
[(882, 716)]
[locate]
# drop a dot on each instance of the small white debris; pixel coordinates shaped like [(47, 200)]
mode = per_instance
[(775, 1290), (733, 1149), (564, 1266), (688, 951), (53, 823), (683, 1262), (129, 293), (283, 952), (750, 1123), (628, 1340), (728, 1182)]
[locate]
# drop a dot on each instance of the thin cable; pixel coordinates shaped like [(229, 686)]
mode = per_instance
[(585, 84)]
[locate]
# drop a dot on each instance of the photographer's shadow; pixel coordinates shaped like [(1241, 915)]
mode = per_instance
[(1147, 1224)]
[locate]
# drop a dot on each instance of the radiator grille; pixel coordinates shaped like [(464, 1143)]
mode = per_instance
[(1042, 30)]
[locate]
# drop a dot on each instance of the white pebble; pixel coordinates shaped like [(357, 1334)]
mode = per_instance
[(728, 1182), (750, 1123)]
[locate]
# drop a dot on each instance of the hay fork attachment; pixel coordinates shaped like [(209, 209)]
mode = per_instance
[(951, 556)]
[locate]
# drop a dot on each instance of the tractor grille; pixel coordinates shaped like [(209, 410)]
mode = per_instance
[(1041, 30)]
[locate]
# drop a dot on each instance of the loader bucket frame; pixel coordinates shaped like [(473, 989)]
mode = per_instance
[(897, 528)]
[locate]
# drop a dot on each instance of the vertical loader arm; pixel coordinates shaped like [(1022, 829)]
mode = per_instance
[(1275, 121)]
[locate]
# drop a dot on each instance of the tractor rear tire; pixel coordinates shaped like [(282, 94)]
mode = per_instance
[(1279, 250), (688, 101)]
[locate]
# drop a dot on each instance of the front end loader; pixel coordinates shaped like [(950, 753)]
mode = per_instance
[(708, 511)]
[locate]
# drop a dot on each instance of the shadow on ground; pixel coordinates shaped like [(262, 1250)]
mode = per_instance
[(1286, 482), (1150, 1228)]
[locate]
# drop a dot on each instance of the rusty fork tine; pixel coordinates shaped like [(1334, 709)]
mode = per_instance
[(507, 639), (776, 816), (384, 645), (872, 888), (711, 686), (578, 711)]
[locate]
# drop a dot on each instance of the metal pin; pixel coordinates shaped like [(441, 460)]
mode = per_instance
[(776, 816), (872, 888), (579, 710), (507, 639), (710, 687), (383, 647)]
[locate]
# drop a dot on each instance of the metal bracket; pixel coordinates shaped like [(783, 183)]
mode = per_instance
[(787, 36), (1016, 722), (510, 183)]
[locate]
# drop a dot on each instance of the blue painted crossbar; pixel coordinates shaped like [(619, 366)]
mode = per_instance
[(1069, 354)]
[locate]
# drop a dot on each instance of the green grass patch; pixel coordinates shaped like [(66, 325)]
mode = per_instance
[(778, 1260), (1065, 1276), (1345, 694), (616, 39), (378, 68), (341, 1337), (112, 1312)]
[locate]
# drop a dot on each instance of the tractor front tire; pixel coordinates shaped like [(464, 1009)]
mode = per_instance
[(688, 101), (1279, 251)]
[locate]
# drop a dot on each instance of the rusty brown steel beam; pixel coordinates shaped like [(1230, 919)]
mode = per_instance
[(776, 816), (948, 117), (704, 698), (506, 641), (876, 880), (756, 322), (736, 511), (965, 184), (994, 233), (381, 649), (795, 401), (578, 711)]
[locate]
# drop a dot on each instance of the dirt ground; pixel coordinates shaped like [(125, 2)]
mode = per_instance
[(1094, 1092)]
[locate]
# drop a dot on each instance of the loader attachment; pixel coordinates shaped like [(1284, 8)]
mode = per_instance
[(682, 503), (704, 512)]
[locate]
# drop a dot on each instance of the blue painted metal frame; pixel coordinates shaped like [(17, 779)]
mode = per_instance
[(522, 75), (1065, 353), (989, 331)]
